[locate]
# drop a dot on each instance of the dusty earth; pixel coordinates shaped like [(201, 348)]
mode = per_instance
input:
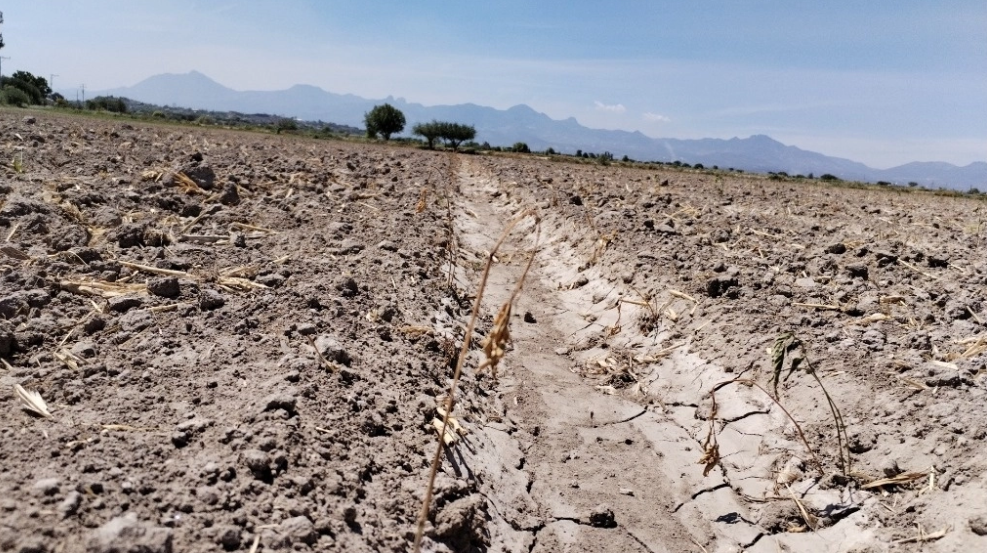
[(242, 341)]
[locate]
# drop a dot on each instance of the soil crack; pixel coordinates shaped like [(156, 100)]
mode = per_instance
[(726, 422), (701, 492)]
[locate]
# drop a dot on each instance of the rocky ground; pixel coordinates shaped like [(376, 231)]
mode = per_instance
[(242, 342)]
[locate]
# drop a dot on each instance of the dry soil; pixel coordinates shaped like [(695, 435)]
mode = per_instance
[(242, 341)]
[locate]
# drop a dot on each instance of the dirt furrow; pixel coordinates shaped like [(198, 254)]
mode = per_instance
[(597, 463)]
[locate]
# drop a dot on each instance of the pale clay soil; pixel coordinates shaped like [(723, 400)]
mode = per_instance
[(252, 357)]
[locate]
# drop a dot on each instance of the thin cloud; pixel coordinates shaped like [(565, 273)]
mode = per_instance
[(615, 108), (656, 117)]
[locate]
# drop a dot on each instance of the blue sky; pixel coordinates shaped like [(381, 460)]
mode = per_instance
[(882, 82)]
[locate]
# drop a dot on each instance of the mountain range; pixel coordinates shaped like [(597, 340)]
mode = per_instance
[(520, 123)]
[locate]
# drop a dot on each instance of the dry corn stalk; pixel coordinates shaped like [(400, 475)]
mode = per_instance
[(923, 537), (464, 352), (615, 328), (711, 449), (237, 283), (188, 185), (102, 288), (154, 270), (68, 358), (495, 343), (32, 401), (459, 428), (448, 438), (15, 253), (422, 203), (811, 521), (151, 175), (903, 478)]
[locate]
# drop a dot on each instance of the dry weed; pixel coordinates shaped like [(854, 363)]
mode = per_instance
[(464, 352), (711, 455), (789, 348)]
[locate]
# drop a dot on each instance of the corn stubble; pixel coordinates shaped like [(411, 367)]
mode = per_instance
[(494, 348)]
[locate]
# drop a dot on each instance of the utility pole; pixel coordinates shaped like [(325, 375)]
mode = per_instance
[(51, 82), (83, 87), (1, 66)]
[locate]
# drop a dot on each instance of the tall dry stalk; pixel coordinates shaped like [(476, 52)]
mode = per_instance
[(496, 341)]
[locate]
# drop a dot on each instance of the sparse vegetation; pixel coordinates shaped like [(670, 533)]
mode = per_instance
[(107, 103), (285, 124)]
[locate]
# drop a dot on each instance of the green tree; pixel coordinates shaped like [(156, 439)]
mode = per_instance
[(1, 34), (14, 96), (33, 94), (429, 131), (521, 148), (39, 82), (384, 120), (455, 134)]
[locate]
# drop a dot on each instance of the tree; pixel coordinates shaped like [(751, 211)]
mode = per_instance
[(521, 148), (429, 131), (36, 88), (39, 82), (14, 97), (384, 120), (456, 133), (1, 34)]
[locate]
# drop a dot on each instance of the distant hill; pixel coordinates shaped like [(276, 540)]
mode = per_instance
[(522, 124)]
